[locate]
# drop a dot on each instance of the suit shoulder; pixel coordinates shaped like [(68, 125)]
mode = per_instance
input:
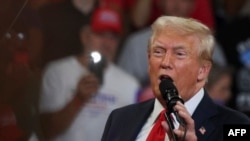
[(133, 107), (233, 116)]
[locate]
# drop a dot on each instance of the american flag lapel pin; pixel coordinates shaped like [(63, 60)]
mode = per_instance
[(202, 130)]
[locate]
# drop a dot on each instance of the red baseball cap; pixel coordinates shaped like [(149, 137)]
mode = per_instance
[(106, 19)]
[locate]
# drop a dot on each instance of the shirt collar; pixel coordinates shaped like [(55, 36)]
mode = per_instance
[(157, 110), (191, 104)]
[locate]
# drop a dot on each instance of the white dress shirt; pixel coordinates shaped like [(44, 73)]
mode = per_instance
[(191, 105)]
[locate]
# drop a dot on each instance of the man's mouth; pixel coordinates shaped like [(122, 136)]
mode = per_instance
[(165, 77)]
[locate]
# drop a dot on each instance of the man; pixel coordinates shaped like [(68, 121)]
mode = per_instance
[(135, 45), (74, 103), (179, 49)]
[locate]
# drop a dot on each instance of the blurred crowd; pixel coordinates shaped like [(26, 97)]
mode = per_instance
[(47, 90)]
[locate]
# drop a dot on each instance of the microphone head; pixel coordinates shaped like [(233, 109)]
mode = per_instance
[(170, 94), (166, 84)]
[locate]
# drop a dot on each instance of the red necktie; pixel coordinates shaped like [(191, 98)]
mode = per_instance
[(158, 132)]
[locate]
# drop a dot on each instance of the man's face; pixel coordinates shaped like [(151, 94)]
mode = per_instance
[(104, 42), (175, 56)]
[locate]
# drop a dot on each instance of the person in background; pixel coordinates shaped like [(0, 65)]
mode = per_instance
[(180, 50), (219, 84), (243, 77), (233, 33), (20, 47), (75, 103)]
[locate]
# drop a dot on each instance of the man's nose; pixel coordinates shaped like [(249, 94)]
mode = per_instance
[(166, 61)]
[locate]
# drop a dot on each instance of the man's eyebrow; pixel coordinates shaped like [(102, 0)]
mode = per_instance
[(157, 44), (182, 48), (179, 47)]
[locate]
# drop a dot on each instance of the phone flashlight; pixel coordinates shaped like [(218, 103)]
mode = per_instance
[(97, 64)]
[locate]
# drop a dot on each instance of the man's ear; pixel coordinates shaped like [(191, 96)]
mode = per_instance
[(204, 70)]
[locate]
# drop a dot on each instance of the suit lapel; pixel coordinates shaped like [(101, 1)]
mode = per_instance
[(141, 114), (202, 115)]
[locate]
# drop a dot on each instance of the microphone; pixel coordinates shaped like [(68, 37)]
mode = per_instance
[(170, 94)]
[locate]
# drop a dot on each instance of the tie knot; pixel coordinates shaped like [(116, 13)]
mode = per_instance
[(158, 132), (163, 111)]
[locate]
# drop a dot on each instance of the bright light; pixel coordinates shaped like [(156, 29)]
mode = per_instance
[(96, 56)]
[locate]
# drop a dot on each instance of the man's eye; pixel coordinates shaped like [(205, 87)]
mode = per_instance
[(158, 52), (181, 54)]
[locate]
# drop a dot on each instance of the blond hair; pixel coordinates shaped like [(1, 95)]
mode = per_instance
[(186, 27)]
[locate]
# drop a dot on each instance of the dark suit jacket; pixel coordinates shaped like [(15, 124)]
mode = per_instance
[(125, 123)]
